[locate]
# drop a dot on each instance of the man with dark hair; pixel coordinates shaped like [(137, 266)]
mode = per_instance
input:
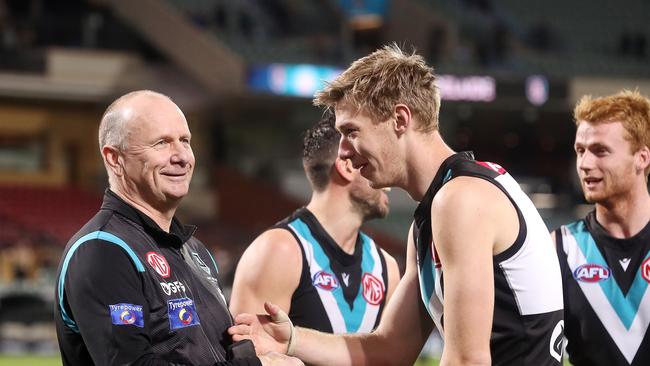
[(134, 286), (316, 264), (605, 257)]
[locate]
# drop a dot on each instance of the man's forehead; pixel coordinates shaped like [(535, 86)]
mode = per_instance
[(601, 132), (600, 127), (346, 114)]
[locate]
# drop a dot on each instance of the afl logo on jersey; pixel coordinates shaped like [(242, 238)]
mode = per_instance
[(591, 273), (159, 263), (645, 270), (373, 289), (325, 281)]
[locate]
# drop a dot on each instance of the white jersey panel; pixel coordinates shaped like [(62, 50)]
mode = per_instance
[(533, 272)]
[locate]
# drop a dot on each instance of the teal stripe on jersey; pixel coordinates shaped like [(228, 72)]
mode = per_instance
[(447, 176), (427, 278), (626, 307), (101, 235), (352, 317)]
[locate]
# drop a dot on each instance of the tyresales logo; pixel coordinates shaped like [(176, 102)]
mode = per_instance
[(159, 263), (373, 289), (645, 270)]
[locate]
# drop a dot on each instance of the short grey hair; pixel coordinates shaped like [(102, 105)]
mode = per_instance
[(113, 129)]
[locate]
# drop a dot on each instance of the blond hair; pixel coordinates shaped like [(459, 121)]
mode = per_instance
[(379, 81)]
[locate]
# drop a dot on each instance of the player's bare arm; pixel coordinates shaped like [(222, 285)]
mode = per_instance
[(472, 220), (403, 329), (269, 270)]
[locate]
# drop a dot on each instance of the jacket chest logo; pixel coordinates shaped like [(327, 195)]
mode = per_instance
[(201, 263), (182, 313), (159, 264)]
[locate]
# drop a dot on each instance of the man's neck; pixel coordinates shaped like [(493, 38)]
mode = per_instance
[(423, 160), (625, 217), (162, 218), (336, 215)]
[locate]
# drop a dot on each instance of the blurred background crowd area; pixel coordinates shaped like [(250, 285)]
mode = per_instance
[(244, 71)]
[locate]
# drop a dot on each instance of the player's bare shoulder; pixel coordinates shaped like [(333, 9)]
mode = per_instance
[(276, 242), (273, 249), (471, 202), (467, 193)]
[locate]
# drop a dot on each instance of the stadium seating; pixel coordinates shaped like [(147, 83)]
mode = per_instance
[(56, 212)]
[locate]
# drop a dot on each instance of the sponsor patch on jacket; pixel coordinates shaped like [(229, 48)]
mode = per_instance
[(182, 313), (591, 273), (159, 263), (127, 314), (172, 287), (325, 281)]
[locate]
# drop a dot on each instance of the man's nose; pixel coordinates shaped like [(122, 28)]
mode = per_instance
[(181, 153), (586, 161), (346, 150)]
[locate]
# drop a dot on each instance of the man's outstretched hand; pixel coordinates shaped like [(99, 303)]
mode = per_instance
[(270, 332)]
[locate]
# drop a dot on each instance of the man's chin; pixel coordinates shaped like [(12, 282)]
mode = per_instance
[(593, 198), (376, 213), (176, 194)]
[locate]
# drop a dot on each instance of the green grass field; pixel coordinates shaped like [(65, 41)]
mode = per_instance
[(426, 362), (30, 360)]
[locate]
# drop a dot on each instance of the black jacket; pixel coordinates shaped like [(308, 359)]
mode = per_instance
[(129, 293)]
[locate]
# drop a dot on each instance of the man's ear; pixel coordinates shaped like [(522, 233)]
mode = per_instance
[(642, 158), (344, 168), (112, 159), (402, 115)]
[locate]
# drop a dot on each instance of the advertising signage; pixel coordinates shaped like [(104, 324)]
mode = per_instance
[(303, 80)]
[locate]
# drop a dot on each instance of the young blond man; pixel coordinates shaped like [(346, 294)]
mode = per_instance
[(478, 251)]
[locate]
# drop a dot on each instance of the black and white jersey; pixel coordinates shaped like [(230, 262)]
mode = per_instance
[(527, 326), (606, 302), (338, 292)]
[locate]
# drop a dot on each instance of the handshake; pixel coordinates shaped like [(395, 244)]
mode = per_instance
[(273, 335)]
